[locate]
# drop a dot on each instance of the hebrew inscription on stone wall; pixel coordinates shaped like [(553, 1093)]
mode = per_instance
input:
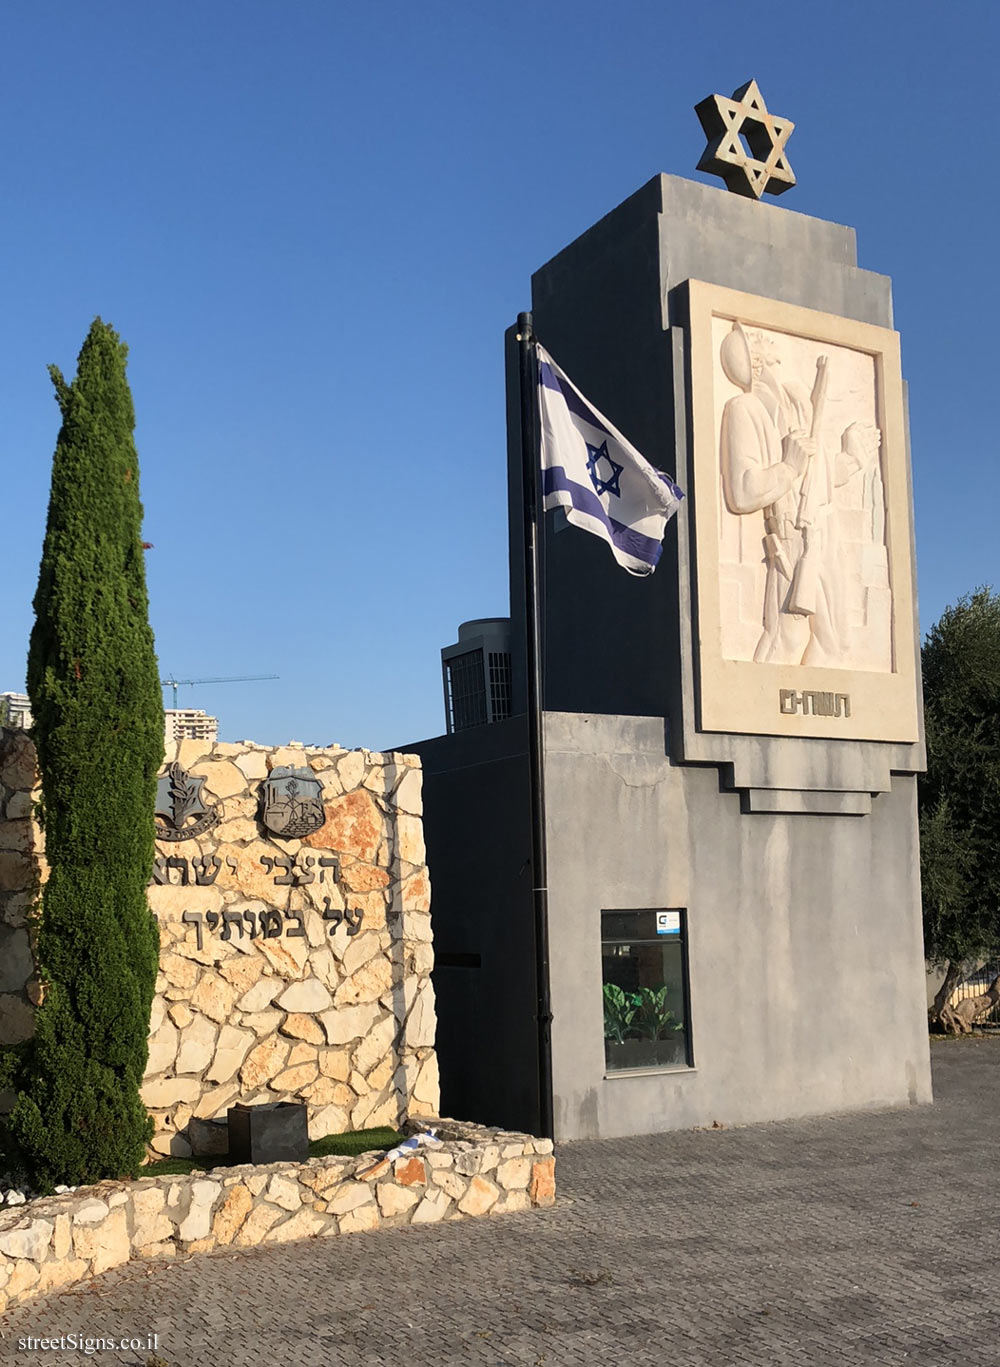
[(813, 702), (268, 923), (803, 566), (286, 870)]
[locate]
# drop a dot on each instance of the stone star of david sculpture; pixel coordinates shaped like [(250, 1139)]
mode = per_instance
[(765, 167)]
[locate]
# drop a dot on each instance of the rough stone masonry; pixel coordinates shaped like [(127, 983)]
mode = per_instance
[(292, 966)]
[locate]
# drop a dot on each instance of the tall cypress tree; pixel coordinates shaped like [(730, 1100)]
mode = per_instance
[(98, 727)]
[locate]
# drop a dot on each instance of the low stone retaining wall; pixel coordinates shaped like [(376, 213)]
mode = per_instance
[(60, 1240)]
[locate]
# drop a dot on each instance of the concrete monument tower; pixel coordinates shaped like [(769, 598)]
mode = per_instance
[(730, 745)]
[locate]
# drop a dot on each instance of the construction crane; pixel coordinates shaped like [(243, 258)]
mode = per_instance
[(229, 678)]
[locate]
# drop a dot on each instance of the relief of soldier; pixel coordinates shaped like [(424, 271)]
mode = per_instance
[(777, 459)]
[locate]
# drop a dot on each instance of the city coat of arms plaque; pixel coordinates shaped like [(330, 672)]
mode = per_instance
[(291, 803)]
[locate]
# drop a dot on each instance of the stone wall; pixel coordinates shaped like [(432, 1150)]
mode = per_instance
[(291, 967), (63, 1239), (22, 869)]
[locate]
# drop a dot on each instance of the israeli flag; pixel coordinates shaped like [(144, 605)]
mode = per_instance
[(604, 484)]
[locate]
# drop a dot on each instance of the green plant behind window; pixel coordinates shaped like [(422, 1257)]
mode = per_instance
[(618, 1013), (651, 1019), (637, 1015)]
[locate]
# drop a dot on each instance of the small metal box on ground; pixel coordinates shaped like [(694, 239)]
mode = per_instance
[(275, 1132)]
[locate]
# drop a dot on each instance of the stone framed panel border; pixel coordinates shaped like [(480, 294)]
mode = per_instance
[(748, 696)]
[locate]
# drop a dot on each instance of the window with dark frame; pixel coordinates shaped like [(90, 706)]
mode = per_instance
[(645, 986)]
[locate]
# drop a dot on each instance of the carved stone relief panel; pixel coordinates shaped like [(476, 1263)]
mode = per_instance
[(803, 564)]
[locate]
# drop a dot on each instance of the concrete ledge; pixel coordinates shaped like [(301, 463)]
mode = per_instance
[(819, 804), (60, 1240)]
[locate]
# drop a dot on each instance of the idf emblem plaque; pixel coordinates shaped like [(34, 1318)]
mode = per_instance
[(181, 812), (291, 803)]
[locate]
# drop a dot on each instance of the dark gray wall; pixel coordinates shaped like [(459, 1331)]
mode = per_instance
[(610, 638), (478, 835)]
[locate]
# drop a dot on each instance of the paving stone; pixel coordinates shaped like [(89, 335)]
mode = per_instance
[(849, 1241)]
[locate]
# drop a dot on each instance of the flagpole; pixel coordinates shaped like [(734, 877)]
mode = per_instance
[(530, 464)]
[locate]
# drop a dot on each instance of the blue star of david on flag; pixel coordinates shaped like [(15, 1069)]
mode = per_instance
[(597, 476), (602, 485)]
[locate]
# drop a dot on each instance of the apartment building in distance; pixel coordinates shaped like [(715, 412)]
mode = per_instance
[(188, 723), (15, 710), (179, 723)]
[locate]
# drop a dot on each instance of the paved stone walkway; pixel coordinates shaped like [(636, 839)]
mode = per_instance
[(864, 1239)]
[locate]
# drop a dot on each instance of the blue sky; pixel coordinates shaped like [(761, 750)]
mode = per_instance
[(312, 222)]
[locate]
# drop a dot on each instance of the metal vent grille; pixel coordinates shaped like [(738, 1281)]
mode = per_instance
[(478, 690), (466, 691), (477, 675), (499, 667)]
